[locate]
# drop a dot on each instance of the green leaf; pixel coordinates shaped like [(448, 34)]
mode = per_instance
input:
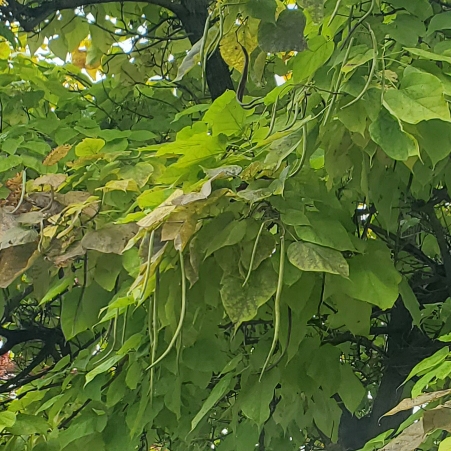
[(134, 374), (102, 368), (7, 419), (429, 363), (56, 290), (241, 303), (264, 10), (226, 115), (199, 108), (28, 424), (81, 308), (426, 54), (351, 390), (406, 29), (311, 257), (8, 34), (232, 234), (319, 233), (9, 162), (420, 98), (306, 63), (372, 277), (142, 135), (435, 138), (410, 301), (420, 8), (89, 146), (389, 135), (273, 38), (256, 399), (215, 395), (440, 22)]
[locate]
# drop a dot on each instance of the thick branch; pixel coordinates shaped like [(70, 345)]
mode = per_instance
[(442, 243), (30, 18)]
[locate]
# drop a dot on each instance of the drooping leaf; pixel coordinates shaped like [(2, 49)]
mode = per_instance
[(215, 395), (389, 135), (311, 257), (241, 303)]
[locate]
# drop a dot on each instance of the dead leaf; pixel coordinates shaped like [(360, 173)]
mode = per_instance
[(17, 236), (111, 239), (57, 154), (192, 197), (14, 261), (438, 418), (409, 439), (409, 403), (72, 252), (54, 180), (30, 218), (156, 217)]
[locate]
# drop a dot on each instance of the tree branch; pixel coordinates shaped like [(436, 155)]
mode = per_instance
[(29, 18)]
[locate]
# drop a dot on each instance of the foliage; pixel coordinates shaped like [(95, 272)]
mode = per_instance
[(268, 269)]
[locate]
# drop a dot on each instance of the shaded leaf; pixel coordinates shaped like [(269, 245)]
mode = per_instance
[(273, 38)]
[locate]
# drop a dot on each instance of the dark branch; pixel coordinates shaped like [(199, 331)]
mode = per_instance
[(29, 18)]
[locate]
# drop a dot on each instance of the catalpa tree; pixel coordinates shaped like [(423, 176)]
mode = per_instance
[(225, 225)]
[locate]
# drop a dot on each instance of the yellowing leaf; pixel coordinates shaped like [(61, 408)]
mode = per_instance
[(89, 146), (121, 185), (79, 58), (5, 50), (230, 47)]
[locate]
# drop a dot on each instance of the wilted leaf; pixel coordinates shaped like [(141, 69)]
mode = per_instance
[(193, 56), (111, 239), (16, 236), (409, 439), (57, 154), (14, 261), (54, 180), (438, 418), (409, 403)]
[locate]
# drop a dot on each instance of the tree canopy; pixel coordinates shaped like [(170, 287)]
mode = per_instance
[(225, 225)]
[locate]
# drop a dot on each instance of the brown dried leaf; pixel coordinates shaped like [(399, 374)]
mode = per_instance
[(409, 403), (72, 252), (438, 418), (54, 180), (14, 261), (57, 154), (409, 439)]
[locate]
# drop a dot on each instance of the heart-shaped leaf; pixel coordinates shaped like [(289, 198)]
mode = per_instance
[(286, 35)]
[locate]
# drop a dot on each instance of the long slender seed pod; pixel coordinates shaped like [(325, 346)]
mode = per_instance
[(254, 252), (182, 317), (372, 70), (334, 12), (154, 340), (149, 260), (22, 194), (277, 304), (337, 84)]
